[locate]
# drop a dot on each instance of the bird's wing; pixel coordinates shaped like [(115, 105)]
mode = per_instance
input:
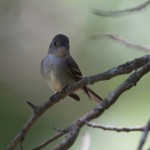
[(77, 75), (73, 68), (75, 71)]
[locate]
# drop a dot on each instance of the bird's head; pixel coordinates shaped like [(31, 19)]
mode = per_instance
[(59, 45)]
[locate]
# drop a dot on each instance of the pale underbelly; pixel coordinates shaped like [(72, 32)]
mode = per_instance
[(54, 83)]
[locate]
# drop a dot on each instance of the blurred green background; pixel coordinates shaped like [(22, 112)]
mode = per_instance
[(26, 29)]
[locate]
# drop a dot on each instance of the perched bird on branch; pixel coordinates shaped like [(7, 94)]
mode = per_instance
[(59, 69)]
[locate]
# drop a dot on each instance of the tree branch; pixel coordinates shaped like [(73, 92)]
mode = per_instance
[(121, 13), (117, 129), (144, 136), (116, 38), (122, 69), (100, 108)]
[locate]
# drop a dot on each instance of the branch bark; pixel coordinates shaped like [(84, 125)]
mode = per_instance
[(121, 13), (118, 39), (117, 129)]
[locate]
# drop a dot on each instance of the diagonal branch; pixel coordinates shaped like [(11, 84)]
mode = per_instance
[(100, 108), (121, 13), (144, 136), (122, 69), (116, 38), (117, 129)]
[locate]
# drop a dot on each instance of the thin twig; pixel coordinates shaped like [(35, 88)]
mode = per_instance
[(117, 129), (58, 135), (144, 136), (118, 39), (35, 108), (121, 13)]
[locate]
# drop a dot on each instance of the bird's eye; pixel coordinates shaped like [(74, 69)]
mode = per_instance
[(57, 44)]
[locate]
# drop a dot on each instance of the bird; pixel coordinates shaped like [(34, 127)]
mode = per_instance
[(59, 69)]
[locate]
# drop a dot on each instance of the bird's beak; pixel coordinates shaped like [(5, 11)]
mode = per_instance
[(62, 47), (61, 51)]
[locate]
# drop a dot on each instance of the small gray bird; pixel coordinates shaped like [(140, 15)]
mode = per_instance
[(60, 70)]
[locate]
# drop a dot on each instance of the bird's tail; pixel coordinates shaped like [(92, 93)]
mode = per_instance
[(92, 94)]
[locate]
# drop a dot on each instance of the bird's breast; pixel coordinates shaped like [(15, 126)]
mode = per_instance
[(52, 70)]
